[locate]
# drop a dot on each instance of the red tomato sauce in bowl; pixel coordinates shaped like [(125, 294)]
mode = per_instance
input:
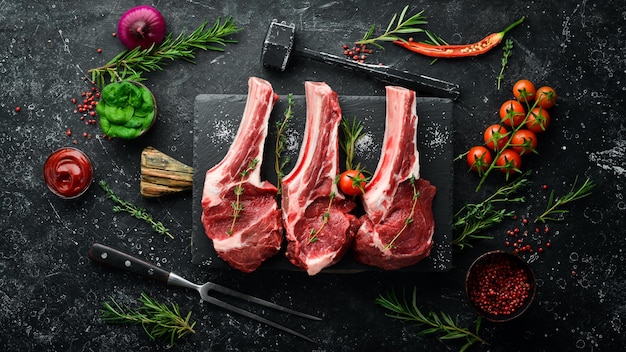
[(68, 172)]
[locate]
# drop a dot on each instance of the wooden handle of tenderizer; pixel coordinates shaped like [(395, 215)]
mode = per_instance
[(162, 175)]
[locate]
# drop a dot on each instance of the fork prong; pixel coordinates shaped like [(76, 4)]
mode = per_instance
[(259, 301), (258, 318)]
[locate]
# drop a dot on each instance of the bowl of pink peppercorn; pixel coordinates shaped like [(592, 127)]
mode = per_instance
[(500, 285)]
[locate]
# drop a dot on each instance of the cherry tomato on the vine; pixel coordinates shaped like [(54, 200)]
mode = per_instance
[(512, 113), (509, 161), (479, 158), (352, 182), (524, 141), (524, 90), (538, 120), (546, 97), (496, 136)]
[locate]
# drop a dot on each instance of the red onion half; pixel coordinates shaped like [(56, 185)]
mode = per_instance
[(141, 26)]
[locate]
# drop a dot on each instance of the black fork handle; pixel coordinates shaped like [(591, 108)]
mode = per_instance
[(117, 259)]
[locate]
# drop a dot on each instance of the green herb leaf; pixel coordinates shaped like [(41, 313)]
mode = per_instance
[(507, 51), (352, 133), (555, 203), (401, 27), (157, 319), (281, 142), (409, 219), (139, 213), (431, 323), (133, 63), (325, 217), (238, 190), (472, 219)]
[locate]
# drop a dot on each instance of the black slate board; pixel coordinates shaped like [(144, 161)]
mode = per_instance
[(217, 118)]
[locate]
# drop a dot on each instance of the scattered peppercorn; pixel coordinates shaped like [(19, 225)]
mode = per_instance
[(86, 107), (99, 50), (357, 53), (519, 238), (18, 109)]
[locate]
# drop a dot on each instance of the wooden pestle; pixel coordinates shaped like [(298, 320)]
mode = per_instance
[(162, 175)]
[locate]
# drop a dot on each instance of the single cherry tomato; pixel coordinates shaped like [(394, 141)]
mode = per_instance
[(509, 161), (496, 136), (538, 120), (512, 113), (479, 158), (546, 97), (352, 182), (524, 141), (524, 90)]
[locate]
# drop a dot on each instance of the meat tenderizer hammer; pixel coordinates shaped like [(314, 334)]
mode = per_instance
[(279, 46)]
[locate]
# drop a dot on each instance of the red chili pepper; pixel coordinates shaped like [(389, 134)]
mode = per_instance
[(452, 51)]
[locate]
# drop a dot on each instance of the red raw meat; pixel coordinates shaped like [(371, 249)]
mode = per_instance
[(388, 198), (257, 231), (307, 189)]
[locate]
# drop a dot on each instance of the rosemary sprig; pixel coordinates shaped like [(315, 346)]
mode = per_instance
[(139, 213), (507, 51), (434, 39), (434, 323), (555, 203), (472, 219), (237, 206), (352, 133), (402, 26), (281, 141), (409, 218), (137, 61), (157, 319)]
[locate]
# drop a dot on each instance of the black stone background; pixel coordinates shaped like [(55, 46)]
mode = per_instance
[(50, 293)]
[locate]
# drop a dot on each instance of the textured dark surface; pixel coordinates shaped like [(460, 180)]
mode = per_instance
[(50, 292)]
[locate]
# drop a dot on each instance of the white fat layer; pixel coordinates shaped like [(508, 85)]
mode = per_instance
[(315, 265), (219, 177), (379, 194), (228, 243)]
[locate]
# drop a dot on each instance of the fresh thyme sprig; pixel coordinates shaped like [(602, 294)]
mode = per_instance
[(137, 61), (434, 323), (409, 218), (139, 213), (325, 217), (507, 51), (281, 141), (237, 206), (472, 219), (555, 203), (157, 319), (402, 26)]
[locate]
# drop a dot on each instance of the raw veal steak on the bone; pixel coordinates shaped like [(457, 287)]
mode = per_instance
[(257, 231), (389, 196), (316, 241)]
